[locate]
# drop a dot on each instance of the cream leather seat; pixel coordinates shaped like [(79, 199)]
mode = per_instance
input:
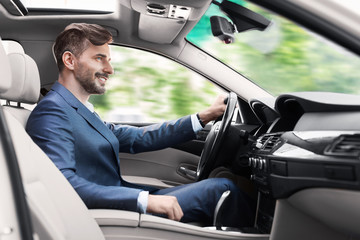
[(24, 85), (5, 70)]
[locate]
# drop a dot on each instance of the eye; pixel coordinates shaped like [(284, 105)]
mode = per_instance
[(99, 58)]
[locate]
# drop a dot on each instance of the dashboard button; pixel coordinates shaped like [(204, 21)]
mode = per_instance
[(250, 161), (253, 162), (264, 165), (260, 164), (252, 177)]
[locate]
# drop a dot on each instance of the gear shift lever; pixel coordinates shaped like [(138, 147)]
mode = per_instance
[(219, 209)]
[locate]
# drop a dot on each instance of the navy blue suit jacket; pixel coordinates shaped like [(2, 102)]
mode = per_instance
[(85, 149)]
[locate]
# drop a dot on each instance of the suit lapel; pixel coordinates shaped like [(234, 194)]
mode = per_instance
[(90, 117), (97, 124)]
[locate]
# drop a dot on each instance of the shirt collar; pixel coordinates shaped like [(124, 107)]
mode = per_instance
[(89, 106)]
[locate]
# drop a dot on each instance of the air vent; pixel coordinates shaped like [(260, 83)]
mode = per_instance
[(271, 142), (345, 145), (268, 142), (261, 141)]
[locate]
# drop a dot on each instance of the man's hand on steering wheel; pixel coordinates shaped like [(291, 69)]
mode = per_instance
[(214, 111)]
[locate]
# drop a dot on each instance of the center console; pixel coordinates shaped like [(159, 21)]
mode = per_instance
[(286, 162)]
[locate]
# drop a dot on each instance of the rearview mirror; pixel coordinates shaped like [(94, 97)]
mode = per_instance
[(222, 29), (243, 19)]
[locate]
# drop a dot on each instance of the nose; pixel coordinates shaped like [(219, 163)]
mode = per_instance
[(108, 68)]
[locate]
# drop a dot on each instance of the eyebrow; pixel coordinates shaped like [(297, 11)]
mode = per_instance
[(101, 55)]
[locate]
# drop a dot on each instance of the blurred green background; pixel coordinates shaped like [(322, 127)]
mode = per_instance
[(151, 88)]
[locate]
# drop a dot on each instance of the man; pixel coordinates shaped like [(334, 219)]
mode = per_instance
[(85, 149)]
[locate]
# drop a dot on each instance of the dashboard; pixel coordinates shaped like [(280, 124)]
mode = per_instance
[(311, 140)]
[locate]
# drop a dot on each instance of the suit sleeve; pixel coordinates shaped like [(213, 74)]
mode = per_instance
[(153, 137), (52, 131)]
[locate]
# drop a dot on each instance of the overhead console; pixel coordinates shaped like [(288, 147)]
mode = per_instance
[(160, 21)]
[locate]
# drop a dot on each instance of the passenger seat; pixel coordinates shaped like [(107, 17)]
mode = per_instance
[(5, 70), (24, 85)]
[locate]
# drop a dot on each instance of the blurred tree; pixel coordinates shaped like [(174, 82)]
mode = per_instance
[(298, 60), (160, 88)]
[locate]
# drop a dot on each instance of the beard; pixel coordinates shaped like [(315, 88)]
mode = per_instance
[(88, 81)]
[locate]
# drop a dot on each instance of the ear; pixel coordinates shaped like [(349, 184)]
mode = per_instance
[(69, 60)]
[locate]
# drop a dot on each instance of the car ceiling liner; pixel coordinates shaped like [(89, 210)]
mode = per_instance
[(14, 7)]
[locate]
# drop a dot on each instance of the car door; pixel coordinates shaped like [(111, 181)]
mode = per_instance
[(146, 89), (172, 166)]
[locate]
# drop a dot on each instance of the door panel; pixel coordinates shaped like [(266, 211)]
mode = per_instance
[(167, 167), (163, 165)]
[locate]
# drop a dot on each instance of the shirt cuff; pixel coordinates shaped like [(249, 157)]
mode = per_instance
[(195, 123), (142, 201)]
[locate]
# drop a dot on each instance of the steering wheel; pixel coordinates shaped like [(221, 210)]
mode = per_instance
[(215, 138)]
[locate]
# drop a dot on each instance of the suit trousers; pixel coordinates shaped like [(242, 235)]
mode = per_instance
[(198, 201)]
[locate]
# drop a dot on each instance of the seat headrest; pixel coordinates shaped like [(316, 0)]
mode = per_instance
[(12, 47), (5, 70), (25, 80)]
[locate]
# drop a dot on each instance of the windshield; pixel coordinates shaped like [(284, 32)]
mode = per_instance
[(283, 58)]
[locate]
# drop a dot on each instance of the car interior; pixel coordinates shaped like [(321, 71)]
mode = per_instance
[(295, 154)]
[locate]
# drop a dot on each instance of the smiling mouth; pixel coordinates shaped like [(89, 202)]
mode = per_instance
[(102, 77)]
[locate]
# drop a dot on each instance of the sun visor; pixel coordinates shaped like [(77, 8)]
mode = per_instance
[(160, 22), (159, 30)]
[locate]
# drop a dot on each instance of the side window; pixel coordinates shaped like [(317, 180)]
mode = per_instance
[(150, 88)]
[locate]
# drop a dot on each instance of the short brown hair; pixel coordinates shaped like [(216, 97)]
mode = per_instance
[(76, 38)]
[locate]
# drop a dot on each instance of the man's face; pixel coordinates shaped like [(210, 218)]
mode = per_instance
[(93, 68)]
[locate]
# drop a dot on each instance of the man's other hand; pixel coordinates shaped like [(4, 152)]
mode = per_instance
[(161, 204)]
